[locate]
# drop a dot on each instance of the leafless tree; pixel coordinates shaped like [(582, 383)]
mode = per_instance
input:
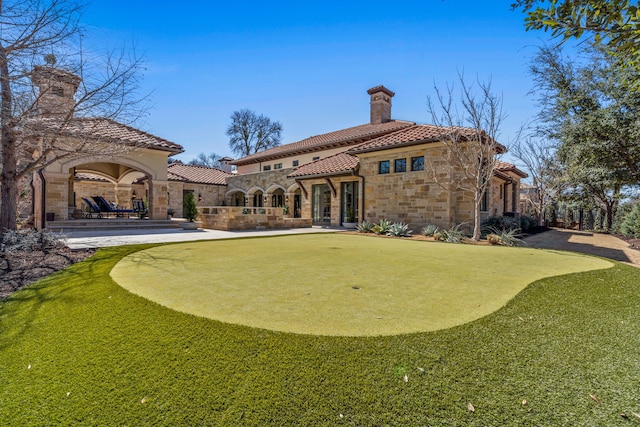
[(250, 133), (211, 160), (538, 157), (472, 122), (37, 36)]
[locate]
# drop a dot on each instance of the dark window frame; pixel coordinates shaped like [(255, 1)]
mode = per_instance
[(402, 163), (419, 166), (384, 167)]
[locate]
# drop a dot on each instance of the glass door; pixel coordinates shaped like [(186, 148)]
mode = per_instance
[(349, 205), (321, 205)]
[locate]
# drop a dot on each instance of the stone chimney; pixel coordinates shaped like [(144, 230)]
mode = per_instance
[(56, 91), (380, 104)]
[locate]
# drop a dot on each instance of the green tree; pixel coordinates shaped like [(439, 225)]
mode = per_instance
[(613, 23), (592, 114), (250, 133), (189, 208)]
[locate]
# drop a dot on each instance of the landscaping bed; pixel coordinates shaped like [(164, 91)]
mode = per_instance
[(20, 268)]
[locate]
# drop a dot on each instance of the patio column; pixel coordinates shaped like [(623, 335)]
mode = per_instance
[(123, 195), (158, 199), (56, 195)]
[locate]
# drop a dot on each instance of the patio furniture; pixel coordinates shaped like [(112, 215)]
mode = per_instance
[(108, 208), (139, 208), (95, 209)]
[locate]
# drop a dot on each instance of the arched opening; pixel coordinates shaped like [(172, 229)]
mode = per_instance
[(277, 198)]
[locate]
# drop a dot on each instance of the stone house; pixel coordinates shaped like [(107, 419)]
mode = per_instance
[(382, 169)]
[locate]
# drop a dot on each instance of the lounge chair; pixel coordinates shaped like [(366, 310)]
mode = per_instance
[(109, 209), (95, 209), (139, 208)]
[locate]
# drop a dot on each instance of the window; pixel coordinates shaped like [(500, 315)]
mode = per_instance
[(266, 168), (295, 163), (277, 166), (417, 163), (484, 202), (400, 165), (316, 158), (383, 167)]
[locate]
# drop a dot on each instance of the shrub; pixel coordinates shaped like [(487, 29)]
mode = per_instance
[(527, 223), (365, 227), (30, 240), (399, 229), (429, 230), (630, 225), (190, 210), (382, 227)]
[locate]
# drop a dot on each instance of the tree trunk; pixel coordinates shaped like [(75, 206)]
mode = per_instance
[(8, 181), (609, 219), (477, 231)]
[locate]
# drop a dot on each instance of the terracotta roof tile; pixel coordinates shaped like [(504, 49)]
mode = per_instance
[(337, 164), (102, 129), (196, 174), (508, 167), (413, 135), (340, 138)]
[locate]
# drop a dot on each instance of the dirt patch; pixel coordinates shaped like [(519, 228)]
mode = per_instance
[(20, 268)]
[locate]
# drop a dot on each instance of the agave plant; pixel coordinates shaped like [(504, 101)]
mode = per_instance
[(505, 237), (429, 230), (382, 227), (399, 229), (452, 235), (365, 227)]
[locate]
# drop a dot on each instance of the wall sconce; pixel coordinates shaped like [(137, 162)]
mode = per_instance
[(133, 194), (286, 198), (265, 198), (199, 197)]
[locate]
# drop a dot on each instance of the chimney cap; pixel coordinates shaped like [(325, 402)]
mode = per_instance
[(380, 88), (42, 73)]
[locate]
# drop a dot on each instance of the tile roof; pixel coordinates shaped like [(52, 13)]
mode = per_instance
[(197, 174), (508, 167), (338, 164), (84, 176), (101, 129), (340, 138), (416, 134)]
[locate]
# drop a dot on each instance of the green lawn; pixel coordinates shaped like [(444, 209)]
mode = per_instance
[(77, 349), (332, 284)]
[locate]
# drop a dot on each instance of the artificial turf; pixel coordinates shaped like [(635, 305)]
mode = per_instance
[(333, 284), (77, 349)]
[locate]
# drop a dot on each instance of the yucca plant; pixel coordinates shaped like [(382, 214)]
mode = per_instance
[(382, 227), (399, 229)]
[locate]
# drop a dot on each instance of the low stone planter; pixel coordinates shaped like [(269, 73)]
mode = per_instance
[(190, 225), (350, 225)]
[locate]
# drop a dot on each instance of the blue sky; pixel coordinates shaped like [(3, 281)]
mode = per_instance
[(309, 64)]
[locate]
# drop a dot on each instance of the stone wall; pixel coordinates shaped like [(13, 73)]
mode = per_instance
[(412, 197), (205, 195), (239, 218)]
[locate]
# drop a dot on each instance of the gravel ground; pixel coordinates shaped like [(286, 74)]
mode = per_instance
[(599, 244)]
